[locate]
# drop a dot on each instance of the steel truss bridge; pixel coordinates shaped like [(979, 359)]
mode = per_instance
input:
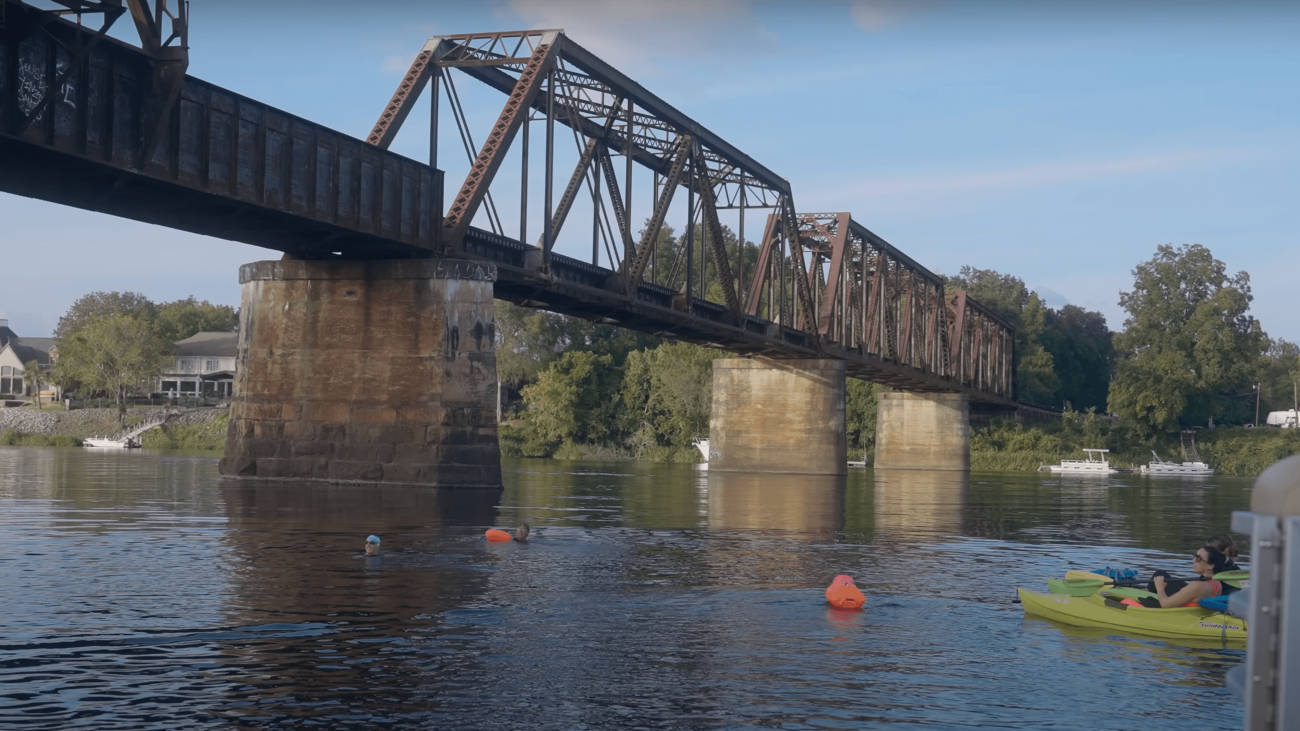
[(92, 122)]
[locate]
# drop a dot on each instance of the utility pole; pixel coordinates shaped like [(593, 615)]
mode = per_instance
[(1256, 405)]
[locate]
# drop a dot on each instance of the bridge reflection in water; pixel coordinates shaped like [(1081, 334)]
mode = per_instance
[(912, 503), (315, 620)]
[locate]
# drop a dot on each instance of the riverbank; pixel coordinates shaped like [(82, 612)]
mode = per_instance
[(1011, 447), (190, 429)]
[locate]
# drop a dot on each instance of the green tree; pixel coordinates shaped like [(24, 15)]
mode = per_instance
[(1082, 355), (575, 400), (1188, 342), (116, 354), (102, 304), (1279, 377), (32, 377), (668, 395), (529, 341), (860, 414), (183, 318)]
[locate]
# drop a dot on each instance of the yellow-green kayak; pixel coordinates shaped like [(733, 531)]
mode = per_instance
[(1100, 610)]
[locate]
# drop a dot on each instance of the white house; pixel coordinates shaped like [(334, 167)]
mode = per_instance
[(15, 353), (204, 365)]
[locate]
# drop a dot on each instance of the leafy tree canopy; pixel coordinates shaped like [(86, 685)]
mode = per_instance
[(102, 304), (1082, 354), (574, 400), (1188, 343), (183, 318), (668, 394), (114, 353)]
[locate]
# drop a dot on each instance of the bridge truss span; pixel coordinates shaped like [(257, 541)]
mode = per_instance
[(90, 121), (818, 285)]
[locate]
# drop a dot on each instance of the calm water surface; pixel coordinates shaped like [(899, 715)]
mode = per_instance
[(140, 590)]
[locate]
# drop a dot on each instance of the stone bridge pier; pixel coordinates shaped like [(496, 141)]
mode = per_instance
[(923, 431), (380, 372), (778, 416), (787, 416)]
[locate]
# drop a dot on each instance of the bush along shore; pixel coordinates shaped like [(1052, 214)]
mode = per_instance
[(193, 429), (1007, 446), (200, 435)]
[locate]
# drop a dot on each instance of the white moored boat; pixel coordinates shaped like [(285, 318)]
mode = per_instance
[(128, 443), (703, 446), (1092, 465), (1189, 469)]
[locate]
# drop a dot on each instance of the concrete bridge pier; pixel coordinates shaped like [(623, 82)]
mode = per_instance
[(781, 416), (380, 372), (922, 431)]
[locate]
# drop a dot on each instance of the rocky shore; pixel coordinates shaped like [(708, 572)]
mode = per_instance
[(84, 423)]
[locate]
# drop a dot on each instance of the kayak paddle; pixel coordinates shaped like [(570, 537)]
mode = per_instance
[(1238, 579)]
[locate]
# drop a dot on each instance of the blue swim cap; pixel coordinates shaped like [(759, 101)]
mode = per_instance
[(372, 539)]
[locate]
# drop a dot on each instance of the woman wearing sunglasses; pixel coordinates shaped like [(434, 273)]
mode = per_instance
[(1207, 562)]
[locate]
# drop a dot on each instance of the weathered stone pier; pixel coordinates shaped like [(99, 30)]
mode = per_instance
[(366, 372)]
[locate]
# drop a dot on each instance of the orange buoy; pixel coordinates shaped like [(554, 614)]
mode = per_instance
[(497, 535), (842, 594)]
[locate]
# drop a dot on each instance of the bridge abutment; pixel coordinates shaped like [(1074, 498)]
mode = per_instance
[(366, 372), (922, 431), (784, 416)]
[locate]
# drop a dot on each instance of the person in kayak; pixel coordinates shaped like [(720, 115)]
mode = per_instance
[(1224, 543), (1207, 562)]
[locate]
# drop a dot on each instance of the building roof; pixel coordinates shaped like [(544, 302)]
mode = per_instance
[(37, 349), (208, 344), (5, 333)]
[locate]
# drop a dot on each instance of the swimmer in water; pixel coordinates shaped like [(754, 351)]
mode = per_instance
[(372, 545), (521, 533)]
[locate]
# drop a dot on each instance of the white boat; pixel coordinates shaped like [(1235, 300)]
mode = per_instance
[(1284, 419), (128, 443), (1091, 465), (1189, 469), (703, 446)]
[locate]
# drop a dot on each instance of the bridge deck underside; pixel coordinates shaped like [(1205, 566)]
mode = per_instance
[(233, 168)]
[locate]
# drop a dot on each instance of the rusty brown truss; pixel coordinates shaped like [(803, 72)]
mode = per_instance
[(90, 121), (849, 293)]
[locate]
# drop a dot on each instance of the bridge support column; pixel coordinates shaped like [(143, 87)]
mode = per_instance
[(366, 372), (922, 431), (778, 416)]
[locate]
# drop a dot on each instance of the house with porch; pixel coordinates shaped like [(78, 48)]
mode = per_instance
[(15, 354), (203, 365)]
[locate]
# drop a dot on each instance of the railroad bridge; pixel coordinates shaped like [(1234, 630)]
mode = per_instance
[(367, 350)]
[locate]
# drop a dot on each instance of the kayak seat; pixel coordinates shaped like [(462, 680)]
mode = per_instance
[(1215, 604)]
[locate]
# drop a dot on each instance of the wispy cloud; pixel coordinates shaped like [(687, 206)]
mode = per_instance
[(398, 65), (638, 37), (1061, 172), (877, 16)]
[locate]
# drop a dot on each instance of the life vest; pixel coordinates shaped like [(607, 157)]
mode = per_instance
[(1217, 587), (842, 594)]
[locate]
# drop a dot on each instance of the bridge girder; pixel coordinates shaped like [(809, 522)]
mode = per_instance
[(231, 167)]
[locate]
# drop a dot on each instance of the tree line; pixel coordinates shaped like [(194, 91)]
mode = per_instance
[(117, 343)]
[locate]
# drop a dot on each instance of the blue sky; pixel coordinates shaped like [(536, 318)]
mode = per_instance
[(1058, 141)]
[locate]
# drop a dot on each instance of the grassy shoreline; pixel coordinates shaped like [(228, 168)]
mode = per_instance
[(1010, 447), (208, 436)]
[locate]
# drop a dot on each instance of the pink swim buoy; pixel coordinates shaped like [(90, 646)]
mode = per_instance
[(842, 594)]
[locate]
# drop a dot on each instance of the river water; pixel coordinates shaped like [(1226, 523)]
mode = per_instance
[(140, 590)]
